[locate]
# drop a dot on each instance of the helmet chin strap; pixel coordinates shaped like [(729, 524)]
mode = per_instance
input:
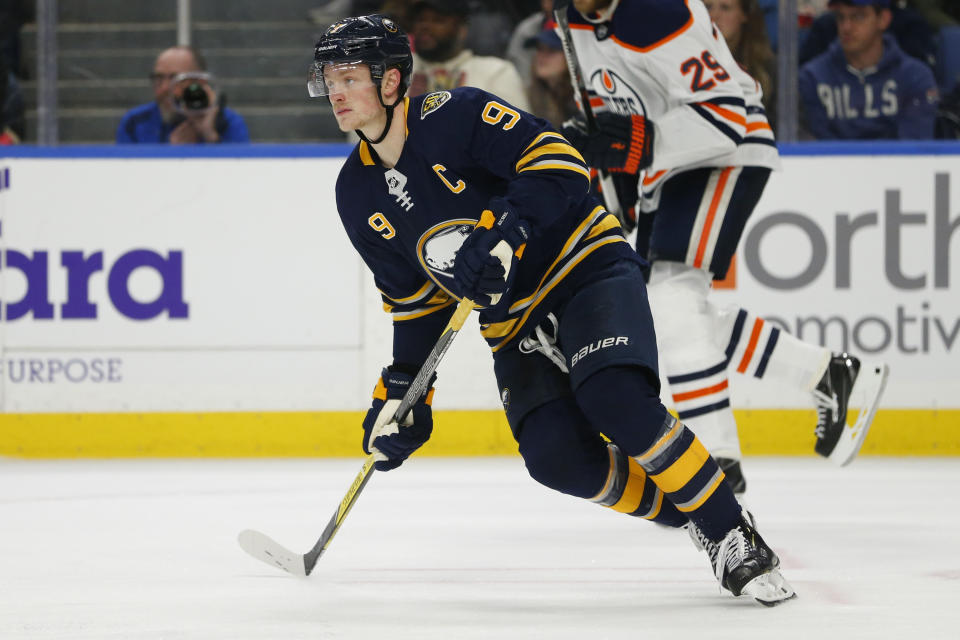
[(386, 127)]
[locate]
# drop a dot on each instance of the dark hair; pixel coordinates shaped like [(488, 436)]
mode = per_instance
[(753, 50)]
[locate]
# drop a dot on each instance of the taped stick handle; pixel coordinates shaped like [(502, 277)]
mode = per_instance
[(417, 388)]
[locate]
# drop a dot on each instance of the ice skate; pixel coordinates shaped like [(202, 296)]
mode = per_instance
[(745, 565), (846, 385)]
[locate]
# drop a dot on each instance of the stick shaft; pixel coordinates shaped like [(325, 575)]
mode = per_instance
[(580, 86), (417, 388)]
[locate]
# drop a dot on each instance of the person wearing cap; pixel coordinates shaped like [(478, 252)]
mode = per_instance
[(549, 89), (519, 50), (441, 62), (864, 87)]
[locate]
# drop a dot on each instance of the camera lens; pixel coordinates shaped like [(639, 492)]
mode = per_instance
[(195, 97)]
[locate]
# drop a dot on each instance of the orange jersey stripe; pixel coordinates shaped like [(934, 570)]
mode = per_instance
[(699, 393), (751, 346), (711, 214), (658, 43), (755, 126), (726, 114)]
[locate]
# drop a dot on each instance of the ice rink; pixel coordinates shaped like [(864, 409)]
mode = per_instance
[(460, 548)]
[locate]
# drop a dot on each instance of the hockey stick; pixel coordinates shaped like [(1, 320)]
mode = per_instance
[(264, 548), (580, 86)]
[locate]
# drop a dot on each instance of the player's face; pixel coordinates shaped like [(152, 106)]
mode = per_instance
[(859, 28), (728, 16), (353, 96), (590, 6)]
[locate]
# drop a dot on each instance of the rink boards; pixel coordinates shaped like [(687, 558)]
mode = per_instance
[(210, 305)]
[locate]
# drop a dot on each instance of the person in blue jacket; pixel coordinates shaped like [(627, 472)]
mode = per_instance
[(186, 107), (864, 87)]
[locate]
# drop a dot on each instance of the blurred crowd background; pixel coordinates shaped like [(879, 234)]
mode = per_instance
[(123, 72)]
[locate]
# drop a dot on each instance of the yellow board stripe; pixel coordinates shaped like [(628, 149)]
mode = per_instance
[(678, 474), (787, 432), (633, 492)]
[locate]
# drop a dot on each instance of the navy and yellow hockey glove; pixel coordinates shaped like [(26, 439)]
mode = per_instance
[(485, 265), (389, 442), (621, 143)]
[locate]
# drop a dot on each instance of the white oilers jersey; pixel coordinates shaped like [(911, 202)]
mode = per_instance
[(666, 61)]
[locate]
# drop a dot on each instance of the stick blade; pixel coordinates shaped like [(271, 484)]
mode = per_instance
[(266, 549)]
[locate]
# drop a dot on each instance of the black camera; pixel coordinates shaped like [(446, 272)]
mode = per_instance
[(195, 97)]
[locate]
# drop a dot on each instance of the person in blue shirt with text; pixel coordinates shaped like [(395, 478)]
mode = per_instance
[(186, 108), (864, 87)]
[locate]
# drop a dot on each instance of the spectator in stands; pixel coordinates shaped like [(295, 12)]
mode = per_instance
[(439, 29), (12, 118), (519, 51), (550, 91), (742, 24), (186, 108), (865, 87), (908, 27)]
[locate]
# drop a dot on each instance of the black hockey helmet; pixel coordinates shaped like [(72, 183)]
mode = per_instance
[(374, 40)]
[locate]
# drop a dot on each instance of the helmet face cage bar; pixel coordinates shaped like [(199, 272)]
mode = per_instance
[(320, 85)]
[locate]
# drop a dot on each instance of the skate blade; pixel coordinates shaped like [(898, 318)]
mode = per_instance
[(865, 395), (770, 589)]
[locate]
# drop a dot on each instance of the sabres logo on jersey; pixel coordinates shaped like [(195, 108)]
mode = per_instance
[(433, 102), (389, 25), (616, 92)]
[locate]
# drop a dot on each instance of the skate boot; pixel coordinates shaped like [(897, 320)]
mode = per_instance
[(745, 565), (731, 469), (842, 387)]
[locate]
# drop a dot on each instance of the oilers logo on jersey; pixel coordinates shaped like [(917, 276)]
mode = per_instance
[(616, 92)]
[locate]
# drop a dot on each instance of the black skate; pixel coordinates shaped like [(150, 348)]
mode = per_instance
[(734, 475), (745, 565), (844, 386)]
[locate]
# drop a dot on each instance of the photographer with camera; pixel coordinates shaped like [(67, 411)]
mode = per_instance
[(186, 109)]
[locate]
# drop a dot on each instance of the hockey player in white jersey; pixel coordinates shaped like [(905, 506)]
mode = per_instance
[(682, 130)]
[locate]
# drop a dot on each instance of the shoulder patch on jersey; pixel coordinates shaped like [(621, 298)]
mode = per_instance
[(433, 102)]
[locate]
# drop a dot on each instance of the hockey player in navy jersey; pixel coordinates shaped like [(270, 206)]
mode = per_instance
[(457, 194), (682, 129)]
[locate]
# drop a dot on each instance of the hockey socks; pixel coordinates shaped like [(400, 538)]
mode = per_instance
[(680, 466), (628, 489)]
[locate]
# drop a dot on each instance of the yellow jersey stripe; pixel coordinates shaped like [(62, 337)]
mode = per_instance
[(542, 293), (419, 313), (421, 293), (555, 164), (558, 148)]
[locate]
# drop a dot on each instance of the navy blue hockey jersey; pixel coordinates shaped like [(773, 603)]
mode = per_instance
[(464, 147)]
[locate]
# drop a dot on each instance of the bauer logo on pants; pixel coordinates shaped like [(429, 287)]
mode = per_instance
[(602, 343)]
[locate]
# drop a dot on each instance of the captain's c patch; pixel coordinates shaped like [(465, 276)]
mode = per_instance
[(433, 102)]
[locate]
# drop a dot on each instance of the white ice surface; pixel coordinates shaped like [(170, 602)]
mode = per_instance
[(460, 548)]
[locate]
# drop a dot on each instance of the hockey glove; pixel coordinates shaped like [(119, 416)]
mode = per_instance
[(622, 143), (627, 187), (485, 266), (389, 442)]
